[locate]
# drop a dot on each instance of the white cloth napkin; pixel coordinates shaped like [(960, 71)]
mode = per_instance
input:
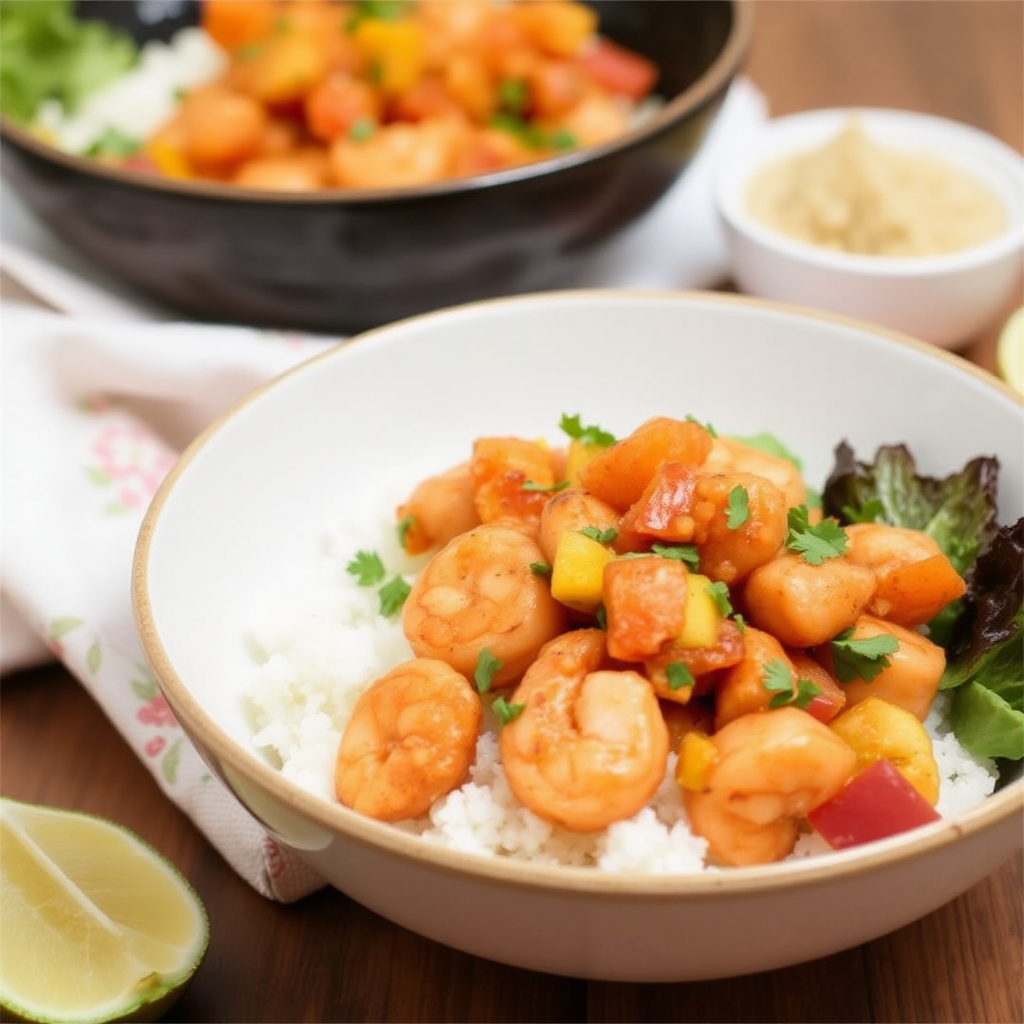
[(99, 394)]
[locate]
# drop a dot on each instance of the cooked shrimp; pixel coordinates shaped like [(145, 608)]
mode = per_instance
[(438, 509), (591, 745), (398, 155), (479, 592), (911, 678), (512, 478), (772, 769), (803, 604), (915, 578), (729, 455), (682, 505), (573, 509), (410, 740)]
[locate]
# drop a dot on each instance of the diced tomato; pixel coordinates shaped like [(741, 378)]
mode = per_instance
[(644, 599), (830, 698), (876, 803), (620, 70)]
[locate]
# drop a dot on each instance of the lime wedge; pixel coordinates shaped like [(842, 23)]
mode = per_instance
[(1010, 351), (97, 925)]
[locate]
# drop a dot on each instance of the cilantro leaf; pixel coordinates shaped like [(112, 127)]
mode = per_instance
[(719, 593), (572, 426), (601, 536), (817, 543), (707, 426), (393, 595), (532, 485), (687, 553), (778, 680), (861, 658), (541, 568), (738, 508), (506, 711), (367, 568), (486, 665), (678, 675)]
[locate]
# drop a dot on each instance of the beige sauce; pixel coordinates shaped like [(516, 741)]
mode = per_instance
[(858, 196)]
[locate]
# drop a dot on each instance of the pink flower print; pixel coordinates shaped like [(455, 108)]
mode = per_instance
[(155, 746), (156, 712), (132, 460)]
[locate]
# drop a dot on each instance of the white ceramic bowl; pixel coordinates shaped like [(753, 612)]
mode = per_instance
[(253, 497), (945, 300)]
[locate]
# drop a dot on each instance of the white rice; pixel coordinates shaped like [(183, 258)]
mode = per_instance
[(138, 102), (321, 640)]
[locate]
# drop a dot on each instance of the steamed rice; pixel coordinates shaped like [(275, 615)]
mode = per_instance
[(321, 639)]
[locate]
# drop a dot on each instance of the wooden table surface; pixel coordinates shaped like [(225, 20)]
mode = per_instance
[(326, 958)]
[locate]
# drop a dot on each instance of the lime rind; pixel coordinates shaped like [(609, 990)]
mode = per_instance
[(89, 899), (1010, 351)]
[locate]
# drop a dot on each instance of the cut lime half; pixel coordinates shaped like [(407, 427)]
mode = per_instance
[(97, 925), (1010, 351)]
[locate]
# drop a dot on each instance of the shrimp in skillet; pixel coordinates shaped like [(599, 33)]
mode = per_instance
[(590, 746), (771, 769), (480, 591), (410, 740)]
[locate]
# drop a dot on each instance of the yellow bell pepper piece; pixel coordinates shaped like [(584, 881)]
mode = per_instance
[(579, 454), (702, 615), (169, 161), (697, 756), (874, 728), (395, 51), (577, 576)]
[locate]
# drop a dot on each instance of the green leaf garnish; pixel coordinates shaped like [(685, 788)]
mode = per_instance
[(367, 568), (687, 553), (404, 525), (778, 680), (738, 508), (719, 593), (678, 675), (540, 568), (587, 435), (506, 711), (707, 426), (601, 536), (393, 595), (361, 129), (861, 659), (532, 485), (486, 665), (816, 543), (114, 143)]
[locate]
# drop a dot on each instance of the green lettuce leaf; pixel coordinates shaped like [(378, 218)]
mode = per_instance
[(46, 52)]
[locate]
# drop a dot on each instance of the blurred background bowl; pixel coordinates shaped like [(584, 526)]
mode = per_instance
[(247, 508), (945, 299), (342, 261)]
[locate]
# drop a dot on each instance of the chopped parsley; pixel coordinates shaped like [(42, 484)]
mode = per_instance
[(572, 426), (532, 485), (404, 526), (861, 659), (678, 675), (816, 543), (393, 595), (719, 593), (738, 509), (114, 143), (486, 665), (506, 711), (367, 568), (778, 680), (540, 568), (707, 426), (687, 553), (601, 536)]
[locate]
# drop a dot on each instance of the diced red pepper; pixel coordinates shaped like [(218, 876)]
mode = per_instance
[(620, 70), (876, 803)]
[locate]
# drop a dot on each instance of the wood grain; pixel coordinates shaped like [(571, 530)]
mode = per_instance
[(328, 959)]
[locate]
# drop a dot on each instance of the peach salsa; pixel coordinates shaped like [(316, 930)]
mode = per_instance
[(659, 652)]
